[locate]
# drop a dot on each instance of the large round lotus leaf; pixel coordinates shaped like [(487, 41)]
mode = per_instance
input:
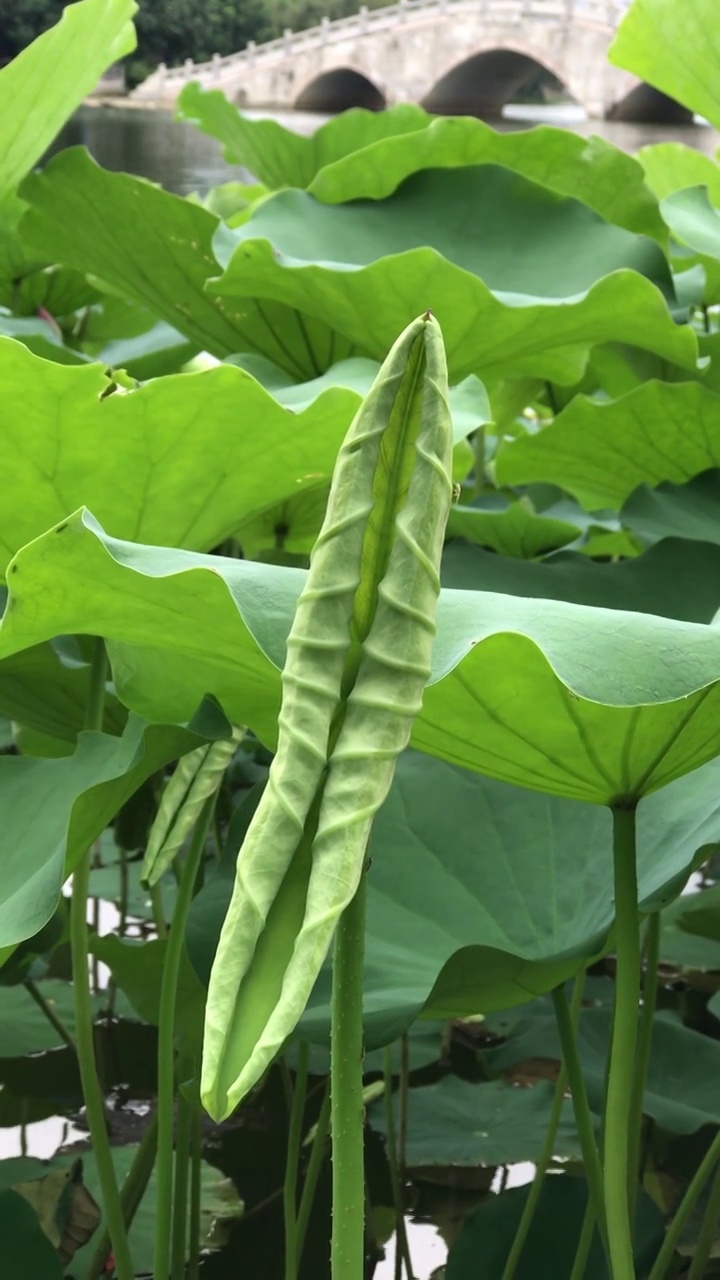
[(516, 253), (192, 454), (594, 704), (601, 450), (481, 895), (676, 578), (156, 249), (509, 529), (589, 169), (689, 510), (454, 1123), (363, 267), (482, 1248), (680, 1094)]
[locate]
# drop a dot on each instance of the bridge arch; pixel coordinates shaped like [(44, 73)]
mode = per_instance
[(337, 89), (483, 83), (645, 105)]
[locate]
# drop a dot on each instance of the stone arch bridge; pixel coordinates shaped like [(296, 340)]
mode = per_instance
[(455, 57)]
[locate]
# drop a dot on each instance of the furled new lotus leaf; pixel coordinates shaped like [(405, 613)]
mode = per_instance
[(358, 659)]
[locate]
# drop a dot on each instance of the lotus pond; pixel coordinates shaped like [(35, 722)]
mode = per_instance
[(360, 690)]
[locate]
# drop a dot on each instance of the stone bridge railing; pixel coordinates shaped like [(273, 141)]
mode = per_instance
[(167, 81)]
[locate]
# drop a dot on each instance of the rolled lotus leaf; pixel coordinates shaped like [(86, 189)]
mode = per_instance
[(358, 659)]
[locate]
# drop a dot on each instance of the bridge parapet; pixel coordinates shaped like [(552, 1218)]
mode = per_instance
[(166, 83)]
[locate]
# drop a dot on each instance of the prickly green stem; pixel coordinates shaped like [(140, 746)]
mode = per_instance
[(619, 1101), (346, 1095)]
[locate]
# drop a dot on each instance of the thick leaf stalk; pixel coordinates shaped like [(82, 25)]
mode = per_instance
[(358, 659)]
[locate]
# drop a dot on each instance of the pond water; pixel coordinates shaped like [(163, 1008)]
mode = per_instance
[(178, 156), (150, 144)]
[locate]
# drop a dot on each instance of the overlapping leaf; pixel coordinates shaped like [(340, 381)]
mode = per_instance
[(156, 249), (282, 157), (518, 299), (676, 578), (81, 793), (510, 892), (182, 461), (590, 703), (601, 450), (590, 170)]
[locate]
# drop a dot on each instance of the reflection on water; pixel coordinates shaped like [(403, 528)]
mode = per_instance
[(178, 156)]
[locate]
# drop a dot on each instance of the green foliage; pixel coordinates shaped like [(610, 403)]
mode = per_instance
[(198, 398)]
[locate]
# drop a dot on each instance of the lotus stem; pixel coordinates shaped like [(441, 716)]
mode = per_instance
[(584, 1244), (650, 986), (317, 1155), (347, 1251), (402, 1248), (180, 1188), (674, 1232), (708, 1232), (131, 1193), (548, 1149), (581, 1107), (84, 1031), (619, 1114), (297, 1112), (166, 1043), (50, 1014), (193, 1269)]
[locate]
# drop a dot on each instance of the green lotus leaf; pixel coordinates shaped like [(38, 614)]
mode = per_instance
[(690, 510), (483, 1246), (684, 949), (25, 1029), (46, 695), (218, 1200), (547, 694), (42, 86), (588, 169), (26, 1248), (454, 1123), (519, 300), (510, 529), (281, 157), (40, 338), (675, 578), (159, 351), (601, 450), (693, 220), (156, 249), (41, 843), (671, 166), (683, 1065), (193, 456), (668, 45), (137, 969), (511, 892)]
